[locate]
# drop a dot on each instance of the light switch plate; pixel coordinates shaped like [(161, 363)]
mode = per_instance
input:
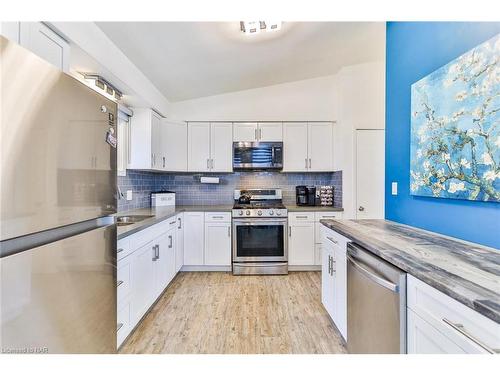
[(394, 187), (129, 195)]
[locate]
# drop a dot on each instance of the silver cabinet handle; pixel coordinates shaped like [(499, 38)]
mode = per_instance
[(377, 279), (229, 231), (157, 252), (461, 329), (180, 223), (217, 217), (329, 264), (119, 250), (170, 244), (331, 239), (255, 135), (120, 282), (260, 134), (211, 163), (301, 217), (173, 222), (309, 163), (164, 162), (118, 326), (154, 253), (361, 208), (208, 163), (306, 163), (289, 231)]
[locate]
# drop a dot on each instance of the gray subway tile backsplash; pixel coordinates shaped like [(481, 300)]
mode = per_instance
[(189, 190)]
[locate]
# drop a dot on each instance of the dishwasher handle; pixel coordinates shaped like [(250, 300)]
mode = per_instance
[(372, 276)]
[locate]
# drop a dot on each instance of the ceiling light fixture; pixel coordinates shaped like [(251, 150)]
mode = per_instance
[(255, 27), (105, 88)]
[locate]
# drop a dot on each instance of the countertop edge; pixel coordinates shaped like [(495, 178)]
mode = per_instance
[(475, 304)]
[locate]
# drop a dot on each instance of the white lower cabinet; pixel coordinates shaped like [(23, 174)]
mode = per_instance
[(334, 278), (194, 238), (179, 244), (301, 251), (438, 323), (218, 244), (142, 281)]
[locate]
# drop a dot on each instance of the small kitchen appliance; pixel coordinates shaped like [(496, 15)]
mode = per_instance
[(260, 233), (305, 195), (162, 198)]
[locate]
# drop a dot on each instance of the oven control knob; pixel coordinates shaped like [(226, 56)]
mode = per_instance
[(271, 212), (259, 213), (248, 213), (240, 213), (278, 213)]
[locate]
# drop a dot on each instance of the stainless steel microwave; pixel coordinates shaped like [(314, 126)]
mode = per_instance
[(257, 156)]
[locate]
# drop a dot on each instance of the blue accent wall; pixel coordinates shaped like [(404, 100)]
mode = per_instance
[(415, 49)]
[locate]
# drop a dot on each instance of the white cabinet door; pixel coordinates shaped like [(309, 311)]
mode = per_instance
[(245, 131), (199, 146), (174, 143), (423, 338), (320, 146), (270, 131), (295, 157), (165, 262), (142, 281), (221, 147), (327, 279), (179, 244), (217, 244), (340, 290), (158, 157), (44, 42), (194, 238), (370, 172), (317, 254), (301, 244)]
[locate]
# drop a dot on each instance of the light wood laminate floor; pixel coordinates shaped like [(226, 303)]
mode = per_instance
[(216, 312)]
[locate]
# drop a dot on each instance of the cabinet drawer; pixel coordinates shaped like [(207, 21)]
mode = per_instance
[(327, 215), (123, 326), (123, 280), (222, 217), (301, 216), (123, 248), (473, 332), (141, 238), (170, 224), (330, 236)]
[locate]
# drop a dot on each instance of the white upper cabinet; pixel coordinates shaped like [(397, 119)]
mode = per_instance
[(270, 131), (307, 147), (320, 146), (221, 147), (295, 158), (255, 132), (199, 147), (44, 42), (210, 147), (245, 132), (146, 149), (174, 143)]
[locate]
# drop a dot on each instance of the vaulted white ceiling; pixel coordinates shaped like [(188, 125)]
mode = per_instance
[(186, 60)]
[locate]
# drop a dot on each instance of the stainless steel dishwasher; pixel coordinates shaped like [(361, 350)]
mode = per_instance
[(376, 304)]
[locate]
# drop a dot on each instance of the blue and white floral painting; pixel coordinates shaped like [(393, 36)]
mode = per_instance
[(455, 128)]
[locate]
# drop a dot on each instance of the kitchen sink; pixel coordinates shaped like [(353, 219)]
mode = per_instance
[(131, 219)]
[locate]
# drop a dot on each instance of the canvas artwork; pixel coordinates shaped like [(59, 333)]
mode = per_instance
[(455, 128)]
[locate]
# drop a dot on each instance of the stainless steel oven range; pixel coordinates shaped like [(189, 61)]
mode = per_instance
[(260, 233)]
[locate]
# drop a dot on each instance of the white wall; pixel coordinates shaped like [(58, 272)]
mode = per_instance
[(361, 104), (311, 99)]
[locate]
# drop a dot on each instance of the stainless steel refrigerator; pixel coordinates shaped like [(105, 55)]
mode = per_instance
[(58, 190)]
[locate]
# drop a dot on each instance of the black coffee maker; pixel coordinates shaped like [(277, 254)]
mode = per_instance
[(305, 195)]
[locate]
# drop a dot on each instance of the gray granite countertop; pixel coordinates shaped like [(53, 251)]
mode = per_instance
[(465, 271), (159, 214), (294, 208)]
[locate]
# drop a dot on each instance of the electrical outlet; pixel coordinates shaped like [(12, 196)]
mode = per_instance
[(129, 195), (394, 187)]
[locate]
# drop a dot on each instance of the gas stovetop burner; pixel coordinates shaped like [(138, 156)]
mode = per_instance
[(265, 203)]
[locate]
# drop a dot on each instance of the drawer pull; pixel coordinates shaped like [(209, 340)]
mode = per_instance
[(331, 239), (120, 282), (301, 217), (334, 216), (460, 329), (217, 217), (119, 250), (173, 222), (118, 326)]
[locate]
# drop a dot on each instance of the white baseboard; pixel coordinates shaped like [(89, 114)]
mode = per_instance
[(304, 268)]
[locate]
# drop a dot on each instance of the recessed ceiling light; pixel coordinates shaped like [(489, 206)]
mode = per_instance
[(255, 27)]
